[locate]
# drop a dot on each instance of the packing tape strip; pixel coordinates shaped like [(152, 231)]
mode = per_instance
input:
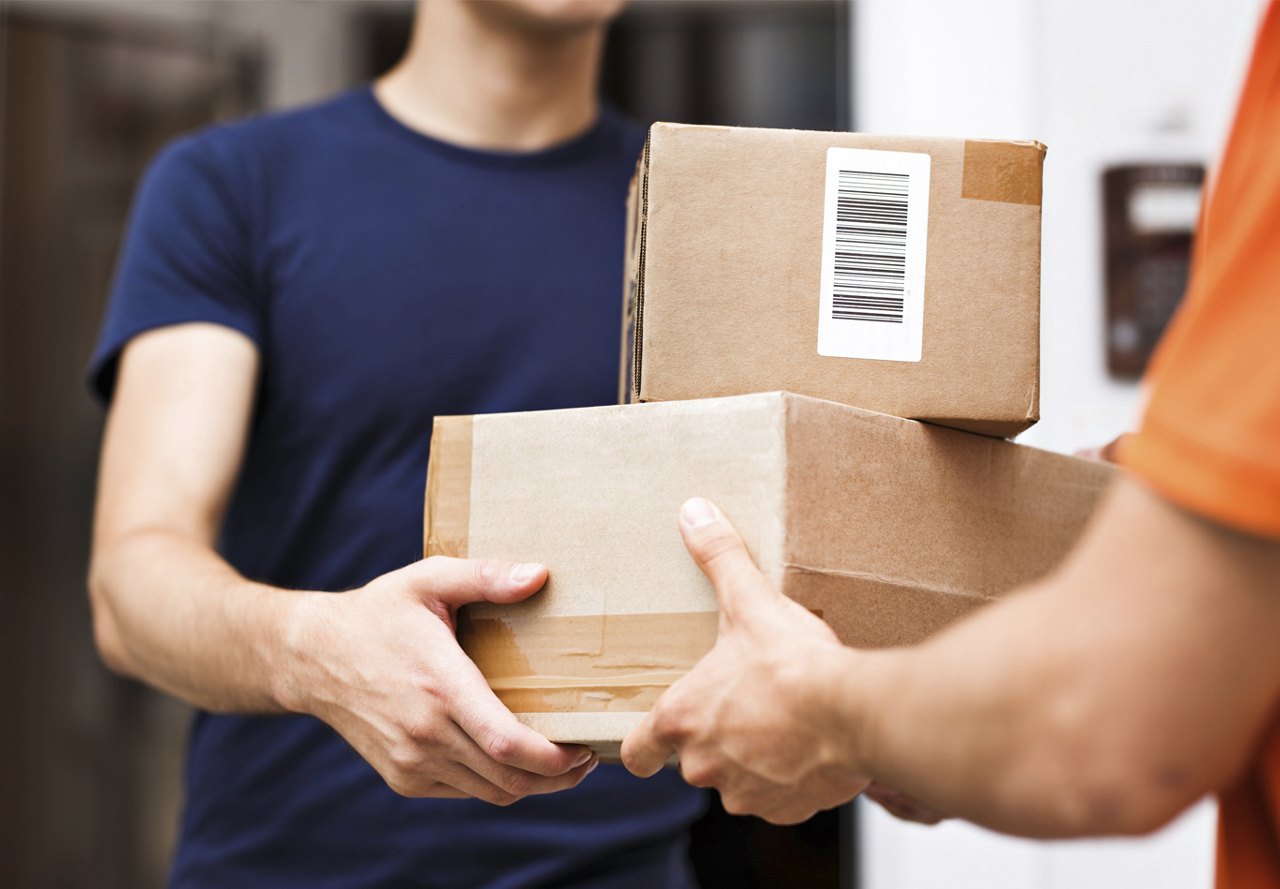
[(1011, 172), (594, 663), (448, 507)]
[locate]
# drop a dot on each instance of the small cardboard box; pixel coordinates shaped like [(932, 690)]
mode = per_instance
[(899, 274), (887, 528)]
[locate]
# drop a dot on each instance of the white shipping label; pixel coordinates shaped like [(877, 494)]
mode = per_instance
[(874, 236)]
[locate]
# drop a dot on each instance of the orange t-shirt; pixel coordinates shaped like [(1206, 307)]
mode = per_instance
[(1210, 439)]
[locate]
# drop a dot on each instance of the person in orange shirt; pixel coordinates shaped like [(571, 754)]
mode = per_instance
[(1107, 697)]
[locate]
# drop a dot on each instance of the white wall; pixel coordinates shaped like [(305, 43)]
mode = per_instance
[(1098, 81)]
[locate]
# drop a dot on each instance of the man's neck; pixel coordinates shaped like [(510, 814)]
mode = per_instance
[(478, 81)]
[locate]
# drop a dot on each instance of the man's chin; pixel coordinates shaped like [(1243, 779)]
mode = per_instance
[(550, 17)]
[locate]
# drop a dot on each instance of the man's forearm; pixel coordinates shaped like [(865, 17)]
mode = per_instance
[(172, 613), (1105, 699), (1015, 737)]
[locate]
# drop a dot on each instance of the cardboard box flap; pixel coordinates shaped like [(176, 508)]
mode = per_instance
[(633, 278), (1012, 172), (448, 512)]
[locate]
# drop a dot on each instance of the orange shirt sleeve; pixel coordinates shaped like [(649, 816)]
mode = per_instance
[(1210, 438)]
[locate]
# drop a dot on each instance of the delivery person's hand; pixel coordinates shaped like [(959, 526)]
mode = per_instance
[(382, 666), (749, 719)]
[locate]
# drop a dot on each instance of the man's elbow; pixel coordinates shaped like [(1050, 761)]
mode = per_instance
[(106, 631), (1111, 780), (1111, 804)]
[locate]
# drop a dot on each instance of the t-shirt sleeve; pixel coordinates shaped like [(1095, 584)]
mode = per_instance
[(1210, 437), (186, 256)]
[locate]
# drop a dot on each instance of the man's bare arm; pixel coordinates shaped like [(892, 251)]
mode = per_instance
[(380, 663), (1104, 699), (167, 609)]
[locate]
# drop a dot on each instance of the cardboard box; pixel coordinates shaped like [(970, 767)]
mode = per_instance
[(899, 274), (888, 528)]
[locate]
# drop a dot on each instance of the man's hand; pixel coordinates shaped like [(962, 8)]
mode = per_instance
[(382, 666), (751, 719)]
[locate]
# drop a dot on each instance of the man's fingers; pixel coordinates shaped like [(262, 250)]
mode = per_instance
[(472, 784), (644, 753), (506, 741), (460, 581), (515, 783), (501, 737), (719, 551), (514, 786)]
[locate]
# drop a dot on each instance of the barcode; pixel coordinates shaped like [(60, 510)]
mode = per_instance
[(870, 259), (875, 234)]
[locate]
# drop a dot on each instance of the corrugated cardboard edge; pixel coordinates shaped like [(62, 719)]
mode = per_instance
[(629, 273), (599, 731), (1033, 396), (991, 428), (636, 301), (447, 519), (1010, 172)]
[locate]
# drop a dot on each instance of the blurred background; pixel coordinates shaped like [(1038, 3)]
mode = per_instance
[(1133, 100)]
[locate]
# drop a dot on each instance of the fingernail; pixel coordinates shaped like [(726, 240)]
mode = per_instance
[(524, 572), (593, 767), (582, 758), (697, 512)]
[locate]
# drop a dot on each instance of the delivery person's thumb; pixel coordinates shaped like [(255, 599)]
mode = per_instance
[(718, 549)]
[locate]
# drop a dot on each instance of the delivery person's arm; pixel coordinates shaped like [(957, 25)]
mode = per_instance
[(1105, 699), (380, 663)]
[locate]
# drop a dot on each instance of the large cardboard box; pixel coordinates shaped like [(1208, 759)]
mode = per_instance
[(887, 528), (899, 274)]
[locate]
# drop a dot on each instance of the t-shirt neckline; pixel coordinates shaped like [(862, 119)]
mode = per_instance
[(572, 148)]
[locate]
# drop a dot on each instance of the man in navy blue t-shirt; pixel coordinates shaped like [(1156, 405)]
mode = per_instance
[(297, 297)]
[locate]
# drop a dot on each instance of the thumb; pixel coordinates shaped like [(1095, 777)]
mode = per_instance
[(461, 581), (719, 551)]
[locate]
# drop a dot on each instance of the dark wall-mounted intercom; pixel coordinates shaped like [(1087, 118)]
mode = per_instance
[(1150, 213)]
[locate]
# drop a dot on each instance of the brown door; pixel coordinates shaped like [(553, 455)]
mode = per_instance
[(89, 765)]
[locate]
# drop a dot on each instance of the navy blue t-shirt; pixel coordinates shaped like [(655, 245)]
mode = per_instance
[(385, 277)]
